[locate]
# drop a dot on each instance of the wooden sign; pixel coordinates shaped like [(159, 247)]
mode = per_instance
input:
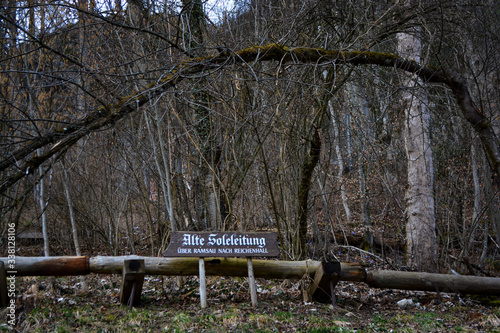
[(223, 244)]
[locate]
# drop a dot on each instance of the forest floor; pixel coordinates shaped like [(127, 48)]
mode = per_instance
[(47, 304)]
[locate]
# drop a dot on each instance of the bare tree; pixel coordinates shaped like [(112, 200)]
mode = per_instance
[(421, 221)]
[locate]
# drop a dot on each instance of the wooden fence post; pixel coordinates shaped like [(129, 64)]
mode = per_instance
[(203, 284), (324, 282), (132, 280), (251, 282)]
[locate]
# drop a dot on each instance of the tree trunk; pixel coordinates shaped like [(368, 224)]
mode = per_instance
[(340, 161), (206, 189), (310, 162), (464, 284), (420, 224), (43, 203), (476, 215), (74, 229), (491, 201), (164, 173), (359, 102)]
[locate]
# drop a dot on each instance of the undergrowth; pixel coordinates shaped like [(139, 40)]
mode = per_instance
[(59, 305)]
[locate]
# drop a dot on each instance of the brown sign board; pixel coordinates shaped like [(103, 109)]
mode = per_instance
[(222, 244)]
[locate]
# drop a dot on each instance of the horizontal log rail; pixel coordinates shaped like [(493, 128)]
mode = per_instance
[(269, 269)]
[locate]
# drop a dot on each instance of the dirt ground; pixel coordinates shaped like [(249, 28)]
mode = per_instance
[(172, 305)]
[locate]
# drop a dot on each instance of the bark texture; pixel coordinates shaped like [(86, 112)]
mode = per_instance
[(308, 167), (421, 245)]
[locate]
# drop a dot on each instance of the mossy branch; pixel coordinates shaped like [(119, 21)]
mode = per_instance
[(110, 114)]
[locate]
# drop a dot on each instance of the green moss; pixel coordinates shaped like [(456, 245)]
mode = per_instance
[(487, 300)]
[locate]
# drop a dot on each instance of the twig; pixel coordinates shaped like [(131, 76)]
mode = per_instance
[(358, 249)]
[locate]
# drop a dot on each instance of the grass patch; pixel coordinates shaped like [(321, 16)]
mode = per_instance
[(167, 308)]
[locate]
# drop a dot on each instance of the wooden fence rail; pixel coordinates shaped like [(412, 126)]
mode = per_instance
[(320, 274)]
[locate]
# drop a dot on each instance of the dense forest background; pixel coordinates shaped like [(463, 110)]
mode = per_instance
[(347, 126)]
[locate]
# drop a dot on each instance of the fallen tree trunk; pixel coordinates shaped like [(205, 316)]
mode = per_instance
[(463, 284), (269, 269)]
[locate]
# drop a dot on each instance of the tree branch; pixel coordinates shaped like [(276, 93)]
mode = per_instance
[(108, 115)]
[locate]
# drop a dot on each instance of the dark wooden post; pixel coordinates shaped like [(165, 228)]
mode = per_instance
[(324, 282), (132, 281)]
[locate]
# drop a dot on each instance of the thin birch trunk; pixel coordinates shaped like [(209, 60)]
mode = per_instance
[(69, 201), (360, 104), (43, 203), (164, 173), (74, 228), (182, 195), (326, 241), (142, 183), (340, 161), (130, 229), (477, 196), (365, 206)]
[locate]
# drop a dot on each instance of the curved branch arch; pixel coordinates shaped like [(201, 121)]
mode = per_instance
[(108, 115)]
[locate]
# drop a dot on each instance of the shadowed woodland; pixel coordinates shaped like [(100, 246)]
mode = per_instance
[(349, 127)]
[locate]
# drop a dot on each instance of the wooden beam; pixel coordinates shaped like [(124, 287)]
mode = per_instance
[(268, 269), (51, 266), (271, 269), (132, 281), (67, 265), (325, 280)]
